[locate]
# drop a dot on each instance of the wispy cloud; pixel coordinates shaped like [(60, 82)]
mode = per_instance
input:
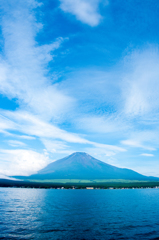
[(107, 123), (85, 10), (140, 82), (25, 137), (145, 139), (147, 154), (122, 101), (23, 65), (33, 126), (15, 143), (109, 147), (135, 143), (54, 146)]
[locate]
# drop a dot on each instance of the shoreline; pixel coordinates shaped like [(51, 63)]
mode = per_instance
[(82, 188)]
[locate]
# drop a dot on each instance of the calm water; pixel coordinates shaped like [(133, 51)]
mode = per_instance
[(79, 214)]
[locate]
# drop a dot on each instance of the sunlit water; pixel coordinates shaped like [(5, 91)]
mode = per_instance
[(79, 214)]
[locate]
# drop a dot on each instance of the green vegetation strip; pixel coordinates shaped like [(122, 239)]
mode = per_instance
[(86, 181), (79, 184)]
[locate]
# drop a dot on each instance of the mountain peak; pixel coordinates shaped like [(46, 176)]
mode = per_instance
[(80, 165), (79, 154), (81, 157)]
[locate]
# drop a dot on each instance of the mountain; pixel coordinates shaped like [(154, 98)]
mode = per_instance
[(80, 165)]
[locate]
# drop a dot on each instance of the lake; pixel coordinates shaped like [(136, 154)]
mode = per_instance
[(79, 214)]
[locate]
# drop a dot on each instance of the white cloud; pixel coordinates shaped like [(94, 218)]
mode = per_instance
[(129, 101), (135, 143), (15, 143), (115, 104), (56, 146), (5, 123), (147, 154), (33, 126), (109, 147), (23, 65), (21, 162), (141, 82), (85, 10), (146, 139), (108, 123), (25, 137)]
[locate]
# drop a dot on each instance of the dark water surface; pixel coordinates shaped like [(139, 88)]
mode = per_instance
[(79, 214)]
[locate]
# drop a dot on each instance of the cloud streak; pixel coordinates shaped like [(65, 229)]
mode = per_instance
[(33, 126), (147, 154)]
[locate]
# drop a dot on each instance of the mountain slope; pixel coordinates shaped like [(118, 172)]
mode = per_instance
[(82, 166)]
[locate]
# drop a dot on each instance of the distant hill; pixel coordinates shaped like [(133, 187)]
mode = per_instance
[(80, 165)]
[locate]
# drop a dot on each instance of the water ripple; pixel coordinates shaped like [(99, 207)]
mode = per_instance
[(81, 214)]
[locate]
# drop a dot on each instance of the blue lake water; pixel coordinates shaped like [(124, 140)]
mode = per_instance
[(79, 214)]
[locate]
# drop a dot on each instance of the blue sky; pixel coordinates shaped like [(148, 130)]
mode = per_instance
[(79, 76)]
